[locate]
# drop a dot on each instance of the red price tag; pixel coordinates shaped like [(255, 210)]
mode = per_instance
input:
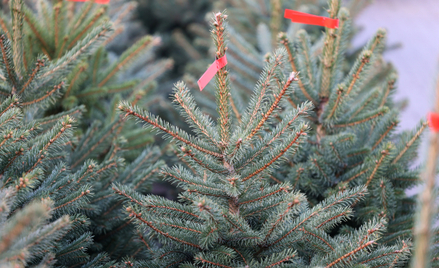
[(433, 121), (300, 17), (211, 71)]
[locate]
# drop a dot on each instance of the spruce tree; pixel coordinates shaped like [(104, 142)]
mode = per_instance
[(48, 167), (354, 122), (231, 214), (53, 28), (254, 28), (42, 199)]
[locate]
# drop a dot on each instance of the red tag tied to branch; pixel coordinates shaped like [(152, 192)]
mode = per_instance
[(211, 71), (433, 121), (300, 17), (104, 2)]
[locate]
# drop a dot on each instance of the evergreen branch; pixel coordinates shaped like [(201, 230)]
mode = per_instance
[(79, 49), (265, 208), (136, 165), (39, 64), (188, 152), (340, 46), (305, 46), (129, 111), (336, 153), (31, 24), (89, 25), (83, 193), (282, 152), (5, 47), (140, 182), (199, 183), (337, 101), (274, 105), (132, 199), (240, 254), (13, 102), (211, 262), (82, 15), (280, 218), (63, 44), (54, 118), (378, 38), (397, 252), (181, 227), (5, 28), (327, 61), (144, 242), (222, 83), (51, 141), (280, 262), (364, 60), (410, 143), (353, 252), (203, 123), (281, 189), (365, 102), (57, 9), (382, 136), (130, 7), (357, 175), (285, 43), (72, 82), (262, 88), (316, 236), (344, 197), (99, 142), (128, 56), (150, 225), (389, 87), (343, 214), (316, 163), (384, 153), (235, 110), (233, 224), (17, 34), (48, 94), (367, 118), (96, 64)]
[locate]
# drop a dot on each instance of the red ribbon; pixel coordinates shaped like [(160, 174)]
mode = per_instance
[(300, 17), (211, 71), (104, 2), (433, 121)]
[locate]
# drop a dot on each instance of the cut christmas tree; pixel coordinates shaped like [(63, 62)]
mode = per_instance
[(232, 213), (53, 28), (57, 204)]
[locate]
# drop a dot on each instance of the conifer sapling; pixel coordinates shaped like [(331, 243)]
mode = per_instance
[(230, 213)]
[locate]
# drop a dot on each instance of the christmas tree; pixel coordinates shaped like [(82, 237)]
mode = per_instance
[(231, 214), (57, 203), (254, 28), (42, 199), (102, 79), (354, 121)]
